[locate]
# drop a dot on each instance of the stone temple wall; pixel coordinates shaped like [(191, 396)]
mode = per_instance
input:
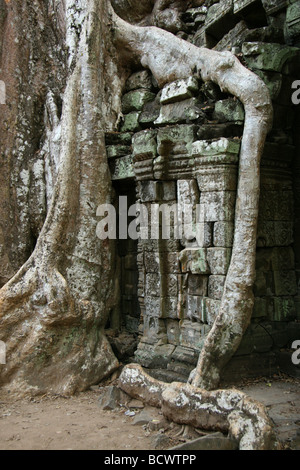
[(181, 145)]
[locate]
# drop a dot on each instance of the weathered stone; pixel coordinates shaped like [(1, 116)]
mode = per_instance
[(229, 110), (217, 178), (144, 145), (111, 398), (176, 113), (223, 234), (179, 90), (214, 441), (218, 206), (150, 112), (217, 147), (118, 138), (150, 191), (131, 122), (292, 25), (154, 330), (192, 334), (284, 309), (285, 283), (240, 5), (135, 100), (195, 309), (173, 331), (141, 79), (176, 139), (220, 18), (154, 355), (218, 260), (114, 151), (122, 168), (274, 6), (265, 56), (185, 355), (197, 285), (194, 260)]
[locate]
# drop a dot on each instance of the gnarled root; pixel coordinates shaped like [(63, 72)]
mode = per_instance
[(230, 411)]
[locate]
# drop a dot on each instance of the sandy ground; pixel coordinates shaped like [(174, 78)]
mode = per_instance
[(78, 422)]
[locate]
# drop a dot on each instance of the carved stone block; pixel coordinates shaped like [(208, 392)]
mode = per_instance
[(179, 90)]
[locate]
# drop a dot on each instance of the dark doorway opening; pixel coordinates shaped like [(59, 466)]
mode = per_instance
[(123, 326)]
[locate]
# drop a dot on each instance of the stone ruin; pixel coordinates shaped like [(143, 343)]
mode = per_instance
[(181, 145)]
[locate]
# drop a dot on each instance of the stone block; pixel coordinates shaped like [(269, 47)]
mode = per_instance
[(154, 356), (214, 441), (292, 25), (220, 18), (217, 147), (274, 6), (218, 260), (179, 112), (229, 110), (216, 286), (131, 122), (217, 178), (154, 330), (179, 90), (173, 331), (168, 192), (144, 145), (284, 309), (141, 79), (263, 307), (197, 285), (223, 234), (150, 191), (285, 283), (274, 233), (143, 169), (267, 56), (176, 139), (150, 112), (219, 206), (282, 258), (114, 151), (122, 168), (194, 260), (170, 307), (240, 5), (192, 334), (186, 355), (118, 138), (276, 206), (135, 100), (195, 309)]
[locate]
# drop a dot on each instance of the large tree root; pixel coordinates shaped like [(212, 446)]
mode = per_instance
[(229, 411)]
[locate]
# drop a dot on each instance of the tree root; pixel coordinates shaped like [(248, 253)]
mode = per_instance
[(230, 411)]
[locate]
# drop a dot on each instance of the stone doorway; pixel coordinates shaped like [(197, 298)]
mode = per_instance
[(123, 326)]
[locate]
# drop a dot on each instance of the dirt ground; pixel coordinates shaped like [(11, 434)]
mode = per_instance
[(79, 423)]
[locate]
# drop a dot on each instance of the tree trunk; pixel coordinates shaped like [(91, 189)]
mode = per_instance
[(53, 311)]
